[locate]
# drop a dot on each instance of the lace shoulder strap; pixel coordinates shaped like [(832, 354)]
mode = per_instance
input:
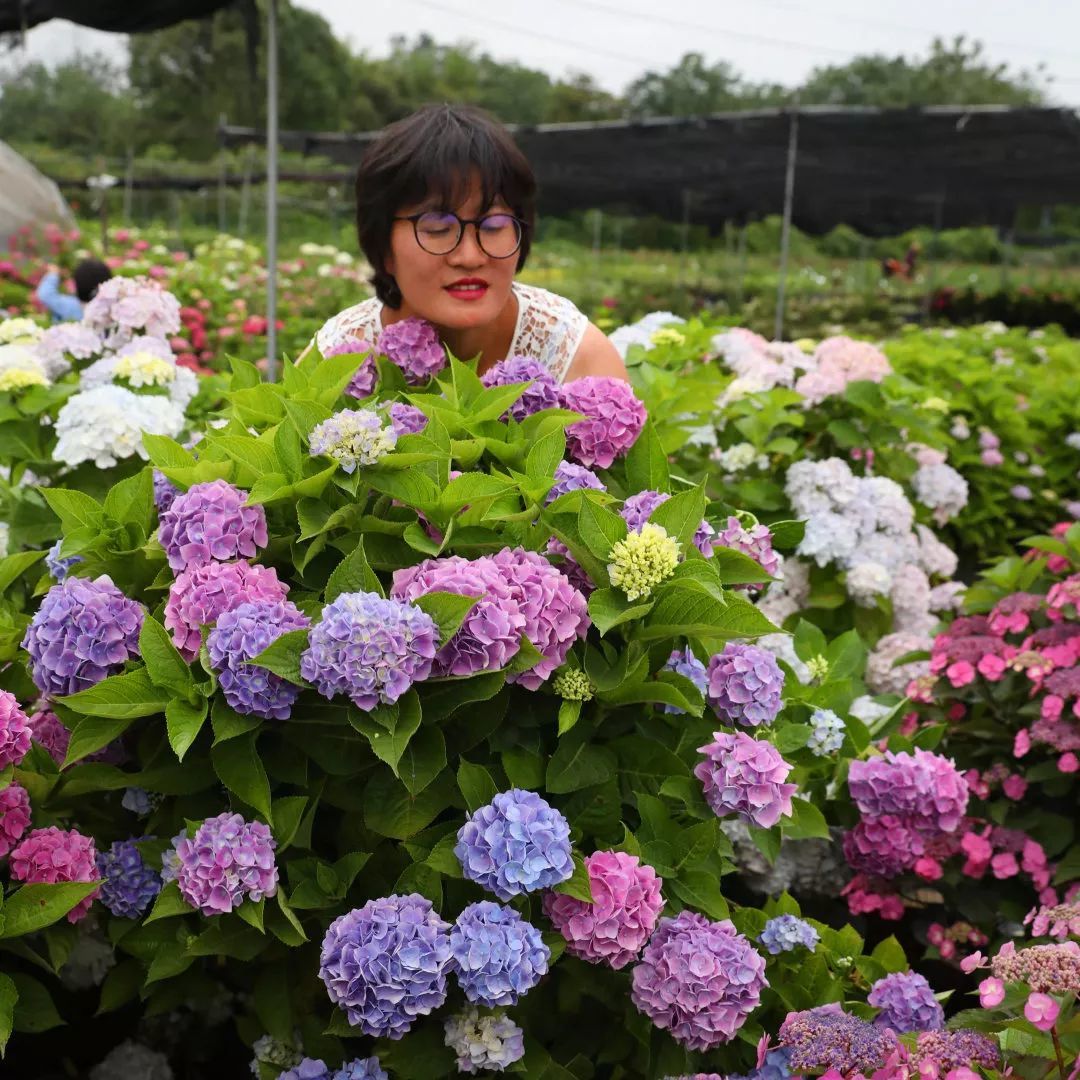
[(359, 321), (549, 329)]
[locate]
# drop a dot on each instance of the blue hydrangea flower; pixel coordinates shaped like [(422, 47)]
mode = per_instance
[(361, 1069), (128, 885), (307, 1069), (137, 801), (786, 932), (514, 845), (165, 491), (828, 732), (775, 1067), (498, 956), (683, 662), (58, 567), (907, 1003)]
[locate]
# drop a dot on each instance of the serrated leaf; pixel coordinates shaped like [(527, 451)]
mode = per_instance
[(475, 785), (12, 566), (448, 610), (609, 608), (578, 884), (424, 758), (168, 904), (681, 515), (33, 907), (164, 664), (646, 462), (599, 528), (353, 574), (569, 714), (35, 1011), (184, 722), (91, 734), (9, 995), (545, 454), (390, 731), (240, 769), (126, 696), (282, 656)]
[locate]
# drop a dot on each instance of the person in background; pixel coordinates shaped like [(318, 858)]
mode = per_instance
[(88, 276)]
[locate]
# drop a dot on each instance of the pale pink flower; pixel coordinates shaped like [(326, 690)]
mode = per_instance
[(1042, 1010)]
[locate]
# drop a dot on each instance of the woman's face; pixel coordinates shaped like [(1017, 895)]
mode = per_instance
[(467, 287)]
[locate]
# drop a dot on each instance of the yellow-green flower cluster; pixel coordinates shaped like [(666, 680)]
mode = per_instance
[(16, 378), (144, 369), (573, 685), (643, 560)]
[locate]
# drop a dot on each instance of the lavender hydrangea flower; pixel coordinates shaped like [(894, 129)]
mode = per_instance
[(614, 418), (924, 787), (571, 477), (128, 885), (515, 844), (559, 555), (828, 1038), (386, 963), (542, 394), (240, 635), (746, 684), (683, 662), (170, 860), (755, 542), (361, 1069), (907, 1003), (745, 776), (210, 522), (57, 566), (484, 1042), (498, 956), (307, 1069), (352, 437), (413, 345), (165, 491), (637, 509), (406, 419), (14, 731), (14, 816), (139, 801), (787, 932), (362, 384), (227, 861), (83, 632), (369, 648), (698, 980)]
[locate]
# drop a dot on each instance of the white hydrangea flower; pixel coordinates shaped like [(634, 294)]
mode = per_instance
[(352, 437), (19, 331), (20, 368), (782, 646), (5, 538), (942, 489), (736, 458), (815, 486), (829, 538), (489, 1042), (868, 710), (936, 558), (641, 332), (866, 581), (960, 429), (948, 596), (910, 596), (1072, 440), (140, 369), (132, 1061), (882, 676)]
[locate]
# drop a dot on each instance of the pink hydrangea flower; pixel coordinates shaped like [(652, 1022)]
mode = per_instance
[(51, 855), (14, 731), (14, 816), (613, 420), (960, 674), (1042, 1010), (1004, 865), (1068, 763), (991, 992), (1014, 786)]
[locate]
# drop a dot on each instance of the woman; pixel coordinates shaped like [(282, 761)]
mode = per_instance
[(88, 276), (445, 212)]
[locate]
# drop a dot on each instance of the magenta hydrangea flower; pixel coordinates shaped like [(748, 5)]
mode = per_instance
[(542, 394), (209, 522), (202, 593), (363, 383), (83, 632), (48, 730), (614, 928), (414, 346), (613, 420), (556, 614), (227, 861), (241, 634), (698, 980), (745, 684), (386, 964), (960, 1048), (745, 776), (406, 419), (907, 1003), (369, 648), (571, 477), (637, 509), (755, 542), (925, 788), (14, 816), (883, 846), (14, 731), (490, 634), (52, 855)]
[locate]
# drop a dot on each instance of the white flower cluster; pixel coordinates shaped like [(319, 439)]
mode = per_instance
[(143, 369), (19, 331), (63, 340), (20, 369), (352, 437), (739, 457), (483, 1042), (106, 424), (1072, 440), (942, 489), (641, 332), (787, 594), (132, 1061), (5, 538)]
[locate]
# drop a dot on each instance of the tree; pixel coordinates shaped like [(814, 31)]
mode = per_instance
[(694, 87), (578, 98)]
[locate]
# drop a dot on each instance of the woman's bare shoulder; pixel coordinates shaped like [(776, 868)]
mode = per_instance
[(596, 356)]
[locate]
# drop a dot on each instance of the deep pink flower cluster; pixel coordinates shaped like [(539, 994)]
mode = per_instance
[(210, 522), (14, 731), (613, 420), (51, 855), (883, 846), (626, 904), (14, 816)]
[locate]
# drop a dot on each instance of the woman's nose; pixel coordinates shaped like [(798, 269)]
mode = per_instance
[(468, 252)]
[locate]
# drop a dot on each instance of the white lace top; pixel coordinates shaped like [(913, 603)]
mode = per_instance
[(549, 327)]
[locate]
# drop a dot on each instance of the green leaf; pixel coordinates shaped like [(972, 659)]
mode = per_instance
[(890, 954), (701, 891), (806, 821), (569, 714), (282, 656), (12, 566), (576, 764), (252, 914), (390, 810), (791, 737), (476, 785), (33, 907), (121, 985), (240, 769), (9, 995), (74, 509), (681, 514), (390, 729), (353, 574), (164, 664), (809, 641), (424, 758), (600, 528), (35, 1011), (167, 453), (168, 904), (132, 501), (609, 608), (680, 611), (120, 697), (787, 535), (442, 699), (448, 610), (545, 454), (578, 884), (91, 734), (646, 462), (229, 724), (288, 813), (735, 568), (184, 722)]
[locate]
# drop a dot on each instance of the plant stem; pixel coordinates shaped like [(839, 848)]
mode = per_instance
[(1057, 1050)]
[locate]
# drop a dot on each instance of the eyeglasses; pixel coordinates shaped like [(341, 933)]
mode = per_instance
[(439, 232)]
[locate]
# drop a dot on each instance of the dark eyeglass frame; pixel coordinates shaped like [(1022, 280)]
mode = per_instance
[(462, 222)]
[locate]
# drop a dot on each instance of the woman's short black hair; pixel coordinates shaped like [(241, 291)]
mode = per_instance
[(436, 151), (88, 275)]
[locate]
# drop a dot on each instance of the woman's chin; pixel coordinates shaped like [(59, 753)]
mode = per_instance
[(464, 314)]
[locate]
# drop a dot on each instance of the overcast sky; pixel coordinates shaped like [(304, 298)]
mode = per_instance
[(615, 40)]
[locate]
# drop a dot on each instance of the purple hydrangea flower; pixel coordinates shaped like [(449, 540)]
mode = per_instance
[(14, 816), (52, 855), (960, 1048), (57, 566), (386, 963), (406, 419), (755, 542), (414, 346), (561, 558), (613, 420), (128, 885), (515, 844), (698, 980), (307, 1069), (363, 383), (228, 859), (907, 1003), (556, 614), (480, 1042), (883, 846), (369, 648), (83, 632), (361, 1069), (774, 1067), (745, 776), (626, 903), (786, 933), (745, 684), (165, 491), (571, 477), (637, 509), (683, 662), (498, 956), (923, 787), (542, 394), (139, 801), (490, 634), (200, 594), (240, 635), (210, 522), (828, 1038), (14, 731)]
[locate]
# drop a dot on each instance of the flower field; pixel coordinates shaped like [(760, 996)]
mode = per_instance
[(389, 721)]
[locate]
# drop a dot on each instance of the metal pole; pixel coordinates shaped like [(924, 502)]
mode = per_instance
[(271, 188), (245, 194), (785, 234), (223, 173)]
